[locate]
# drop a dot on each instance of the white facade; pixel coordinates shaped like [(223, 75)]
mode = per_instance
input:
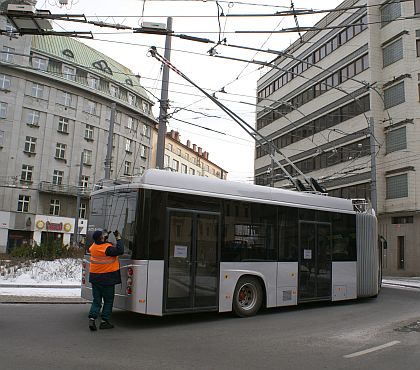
[(365, 70)]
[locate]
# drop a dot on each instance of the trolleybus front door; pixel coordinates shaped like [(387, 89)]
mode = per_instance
[(314, 261), (192, 260)]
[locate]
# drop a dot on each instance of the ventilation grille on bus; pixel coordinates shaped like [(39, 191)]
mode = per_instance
[(367, 255)]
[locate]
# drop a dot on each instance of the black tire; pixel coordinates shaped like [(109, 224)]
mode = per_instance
[(248, 296)]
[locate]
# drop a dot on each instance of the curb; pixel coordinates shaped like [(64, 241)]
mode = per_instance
[(400, 284), (7, 299)]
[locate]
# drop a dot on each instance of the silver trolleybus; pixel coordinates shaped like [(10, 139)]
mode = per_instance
[(198, 244)]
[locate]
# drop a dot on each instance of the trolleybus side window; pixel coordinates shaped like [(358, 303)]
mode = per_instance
[(344, 237), (289, 234), (158, 201), (249, 232)]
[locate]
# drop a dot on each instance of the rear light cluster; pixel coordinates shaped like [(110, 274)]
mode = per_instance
[(130, 273), (84, 272)]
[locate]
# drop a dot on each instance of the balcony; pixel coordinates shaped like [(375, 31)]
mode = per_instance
[(72, 190)]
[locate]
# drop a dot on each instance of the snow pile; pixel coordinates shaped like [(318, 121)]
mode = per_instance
[(67, 271)]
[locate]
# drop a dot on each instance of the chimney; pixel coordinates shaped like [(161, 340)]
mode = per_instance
[(200, 151), (172, 134), (194, 147), (176, 135), (206, 155), (188, 143)]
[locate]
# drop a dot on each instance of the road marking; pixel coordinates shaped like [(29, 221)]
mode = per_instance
[(373, 349)]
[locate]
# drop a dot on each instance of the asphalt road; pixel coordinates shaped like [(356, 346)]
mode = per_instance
[(315, 336)]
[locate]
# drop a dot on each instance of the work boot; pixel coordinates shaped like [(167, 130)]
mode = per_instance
[(105, 324), (92, 324)]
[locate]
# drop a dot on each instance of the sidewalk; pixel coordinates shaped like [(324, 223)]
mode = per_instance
[(407, 282)]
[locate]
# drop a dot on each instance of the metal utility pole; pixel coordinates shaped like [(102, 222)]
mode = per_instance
[(108, 158), (373, 192), (160, 150), (79, 191)]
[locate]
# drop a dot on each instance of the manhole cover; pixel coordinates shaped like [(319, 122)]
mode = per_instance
[(414, 326)]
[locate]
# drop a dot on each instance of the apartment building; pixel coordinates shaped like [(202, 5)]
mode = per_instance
[(347, 96), (186, 158), (55, 105)]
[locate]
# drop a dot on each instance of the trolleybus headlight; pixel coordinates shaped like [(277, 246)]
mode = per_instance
[(130, 271)]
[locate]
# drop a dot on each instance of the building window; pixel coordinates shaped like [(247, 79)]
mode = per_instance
[(65, 98), (166, 161), (130, 121), (394, 95), (128, 145), (30, 143), (416, 6), (113, 90), (26, 174), (39, 63), (84, 182), (175, 165), (90, 106), (1, 138), (82, 210), (402, 220), (397, 186), (3, 110), (191, 171), (63, 125), (7, 54), (9, 27), (127, 168), (93, 82), (418, 47), (23, 203), (55, 207), (37, 90), (5, 82), (32, 118), (69, 73), (60, 151), (58, 177), (143, 151), (87, 157), (169, 147), (389, 12), (184, 168), (400, 252), (396, 140), (145, 107), (89, 132), (131, 99), (392, 52), (146, 130), (178, 151)]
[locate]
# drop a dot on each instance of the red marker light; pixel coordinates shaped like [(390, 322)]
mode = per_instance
[(130, 271), (129, 290), (84, 264), (83, 281)]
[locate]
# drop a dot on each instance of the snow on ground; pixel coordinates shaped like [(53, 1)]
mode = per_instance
[(41, 276), (67, 271)]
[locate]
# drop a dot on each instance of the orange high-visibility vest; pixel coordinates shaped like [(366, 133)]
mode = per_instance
[(100, 263)]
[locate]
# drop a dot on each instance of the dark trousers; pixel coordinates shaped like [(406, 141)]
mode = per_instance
[(105, 293)]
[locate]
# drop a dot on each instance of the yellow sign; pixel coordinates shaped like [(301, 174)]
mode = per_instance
[(40, 224), (67, 227)]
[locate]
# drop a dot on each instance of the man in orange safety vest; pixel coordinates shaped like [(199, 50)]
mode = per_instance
[(104, 274)]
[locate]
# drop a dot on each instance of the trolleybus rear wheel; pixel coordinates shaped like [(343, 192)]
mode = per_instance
[(248, 296)]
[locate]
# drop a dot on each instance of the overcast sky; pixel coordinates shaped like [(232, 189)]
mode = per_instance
[(233, 150)]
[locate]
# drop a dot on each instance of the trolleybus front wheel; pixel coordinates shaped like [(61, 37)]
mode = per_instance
[(248, 296)]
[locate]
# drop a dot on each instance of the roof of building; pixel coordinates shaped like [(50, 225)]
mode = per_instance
[(73, 52), (213, 187)]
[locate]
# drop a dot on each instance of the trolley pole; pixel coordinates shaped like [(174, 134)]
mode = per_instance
[(373, 192), (160, 150), (108, 158)]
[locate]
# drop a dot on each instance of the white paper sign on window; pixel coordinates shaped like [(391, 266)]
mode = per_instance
[(181, 251), (307, 254)]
